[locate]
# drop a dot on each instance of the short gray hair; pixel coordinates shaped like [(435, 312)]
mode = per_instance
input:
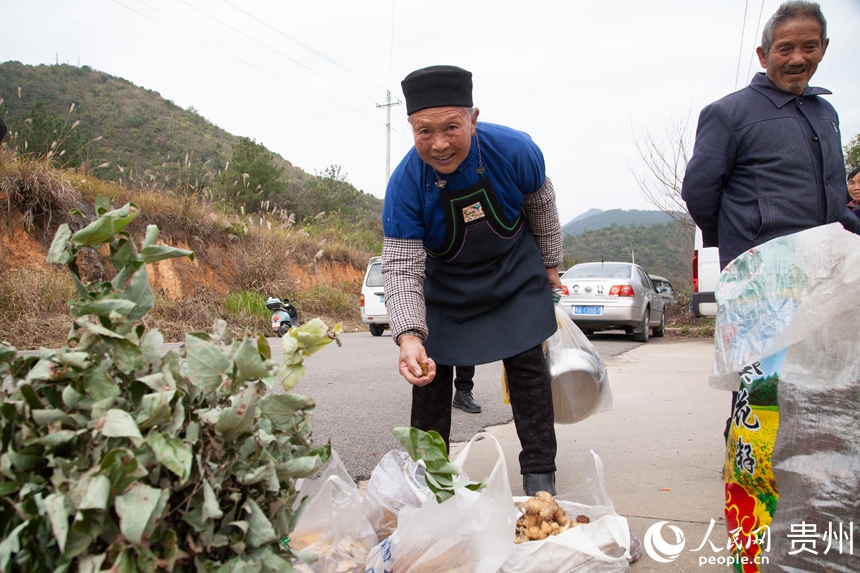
[(790, 11)]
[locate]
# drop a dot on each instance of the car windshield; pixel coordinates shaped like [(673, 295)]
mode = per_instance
[(599, 270), (374, 275)]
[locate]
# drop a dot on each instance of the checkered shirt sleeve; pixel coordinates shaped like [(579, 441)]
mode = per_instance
[(542, 215), (403, 279)]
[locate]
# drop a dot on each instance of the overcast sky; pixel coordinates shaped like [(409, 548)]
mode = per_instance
[(305, 78)]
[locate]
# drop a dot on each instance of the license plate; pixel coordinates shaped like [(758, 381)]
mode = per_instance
[(382, 299), (595, 310)]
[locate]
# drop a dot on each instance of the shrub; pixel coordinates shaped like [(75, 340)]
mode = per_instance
[(336, 300), (116, 455), (247, 303), (37, 191), (261, 262)]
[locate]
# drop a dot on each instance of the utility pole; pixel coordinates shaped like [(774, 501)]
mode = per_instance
[(387, 105)]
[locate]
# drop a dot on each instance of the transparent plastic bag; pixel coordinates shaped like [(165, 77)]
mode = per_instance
[(771, 297), (605, 544), (332, 533), (471, 532), (392, 486), (580, 384)]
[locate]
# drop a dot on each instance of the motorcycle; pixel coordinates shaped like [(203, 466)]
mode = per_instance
[(284, 315)]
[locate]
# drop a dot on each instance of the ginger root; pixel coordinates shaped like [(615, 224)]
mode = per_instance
[(542, 517)]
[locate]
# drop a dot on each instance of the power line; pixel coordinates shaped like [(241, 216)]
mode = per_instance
[(277, 52), (305, 46), (749, 69), (391, 46), (279, 78), (741, 49)]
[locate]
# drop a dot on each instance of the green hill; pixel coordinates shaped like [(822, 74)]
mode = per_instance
[(150, 142), (140, 130), (620, 217), (664, 250)]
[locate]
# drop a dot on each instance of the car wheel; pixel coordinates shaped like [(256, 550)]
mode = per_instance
[(646, 330), (376, 329), (660, 331)]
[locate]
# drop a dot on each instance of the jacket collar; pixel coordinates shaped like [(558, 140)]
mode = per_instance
[(763, 84)]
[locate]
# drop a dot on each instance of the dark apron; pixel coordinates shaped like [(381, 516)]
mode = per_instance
[(486, 289)]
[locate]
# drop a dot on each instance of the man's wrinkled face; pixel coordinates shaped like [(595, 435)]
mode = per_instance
[(794, 56), (443, 136)]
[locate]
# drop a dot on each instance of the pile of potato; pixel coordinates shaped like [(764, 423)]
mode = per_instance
[(541, 517)]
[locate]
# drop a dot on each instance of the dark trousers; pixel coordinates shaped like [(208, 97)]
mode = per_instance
[(464, 381), (531, 404)]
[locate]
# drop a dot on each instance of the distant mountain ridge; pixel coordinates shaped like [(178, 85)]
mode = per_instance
[(586, 215), (594, 219)]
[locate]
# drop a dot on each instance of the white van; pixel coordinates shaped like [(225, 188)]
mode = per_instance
[(373, 311), (706, 273)]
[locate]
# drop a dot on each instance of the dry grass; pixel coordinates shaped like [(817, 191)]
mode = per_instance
[(681, 322), (251, 254), (34, 307), (338, 299), (195, 314), (185, 220), (42, 194), (260, 263)]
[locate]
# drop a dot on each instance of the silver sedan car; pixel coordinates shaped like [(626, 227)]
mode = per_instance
[(610, 296)]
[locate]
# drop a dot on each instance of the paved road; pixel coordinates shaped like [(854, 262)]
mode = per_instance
[(360, 396)]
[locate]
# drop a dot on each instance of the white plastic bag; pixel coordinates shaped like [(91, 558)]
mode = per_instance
[(332, 531), (603, 545), (471, 532), (392, 486), (580, 385)]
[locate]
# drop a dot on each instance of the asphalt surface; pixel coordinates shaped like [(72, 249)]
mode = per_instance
[(361, 396)]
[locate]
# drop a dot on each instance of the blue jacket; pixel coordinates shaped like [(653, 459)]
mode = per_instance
[(514, 163), (766, 163)]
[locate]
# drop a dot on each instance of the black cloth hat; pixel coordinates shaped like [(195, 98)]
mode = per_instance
[(437, 86)]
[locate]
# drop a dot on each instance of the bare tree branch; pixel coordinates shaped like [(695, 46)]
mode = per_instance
[(665, 163)]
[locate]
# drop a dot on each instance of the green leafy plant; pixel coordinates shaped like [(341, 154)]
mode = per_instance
[(428, 449), (119, 456)]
